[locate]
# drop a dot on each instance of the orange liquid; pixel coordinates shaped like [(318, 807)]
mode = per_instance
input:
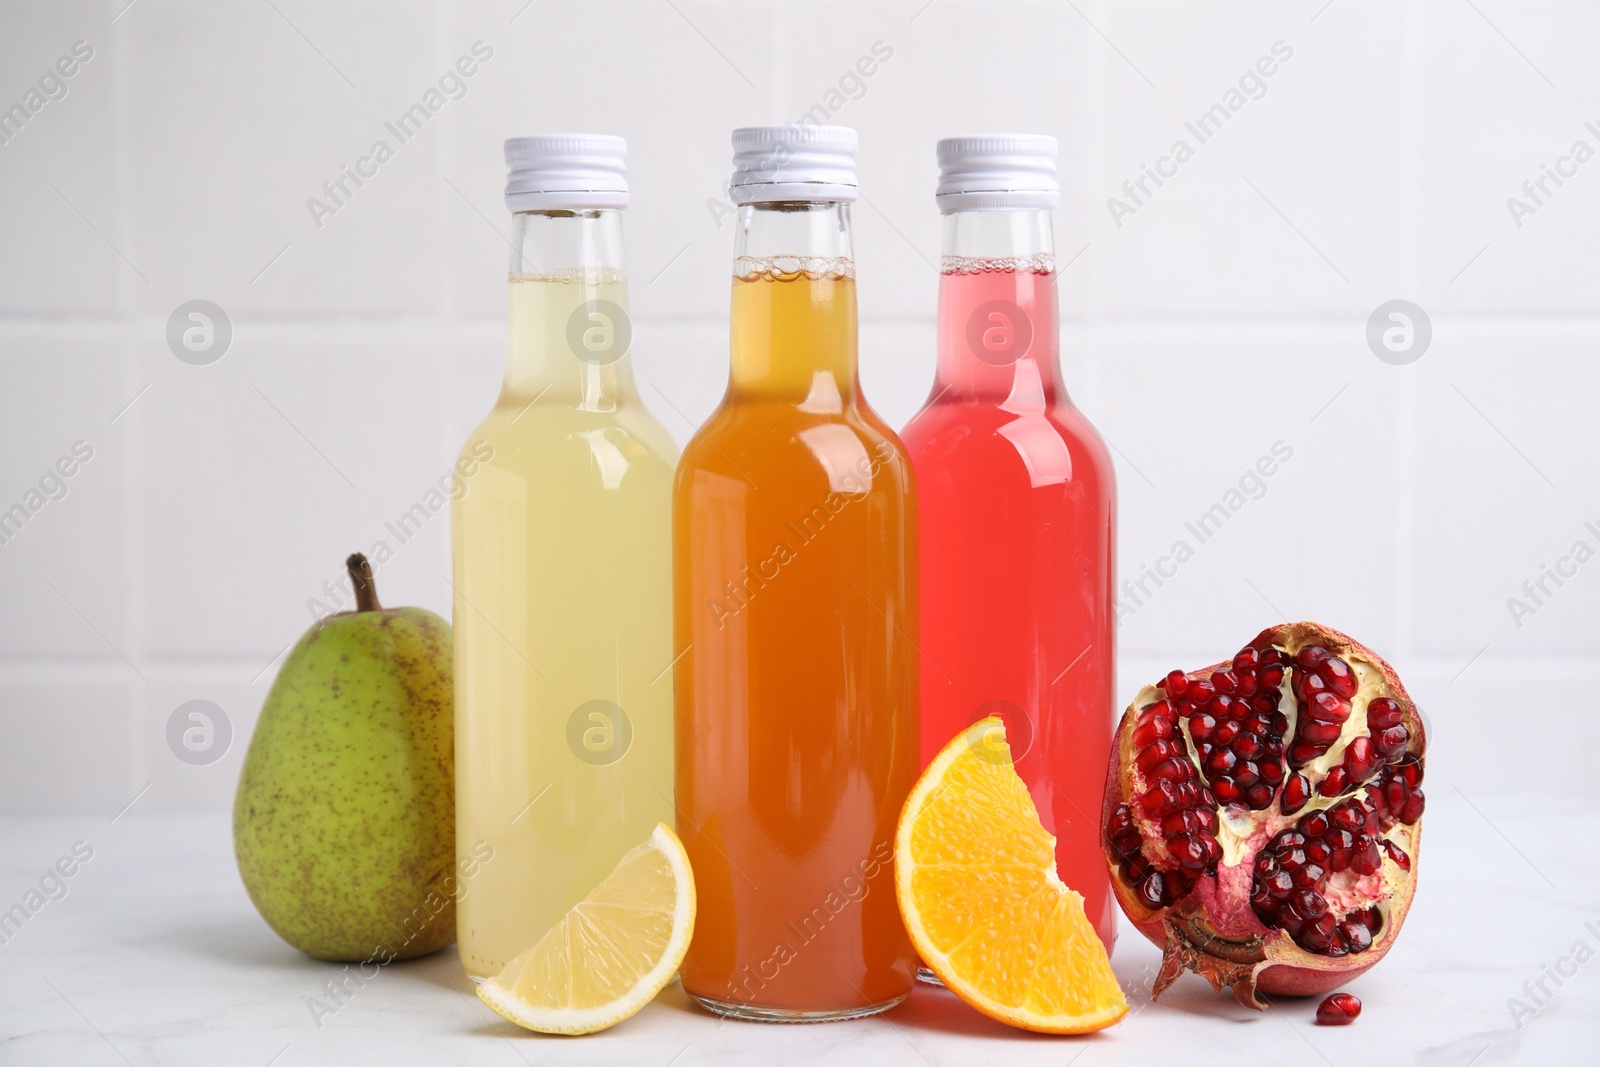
[(794, 545)]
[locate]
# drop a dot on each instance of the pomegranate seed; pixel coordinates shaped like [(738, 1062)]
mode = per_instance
[(1201, 726), (1311, 657), (1222, 762), (1207, 819), (1302, 753), (1152, 890), (1339, 1009), (1309, 904), (1224, 681), (1365, 859), (1247, 774), (1347, 817), (1151, 732), (1258, 796), (1172, 770), (1272, 654), (1321, 734), (1175, 683), (1318, 852), (1397, 854), (1247, 746), (1280, 724), (1246, 660), (1328, 707), (1410, 769), (1338, 676), (1317, 934), (1155, 753), (1354, 935), (1200, 693), (1247, 686), (1266, 863), (1161, 800), (1205, 799), (1135, 868), (1308, 875), (1225, 732), (1374, 798), (1213, 850), (1272, 773), (1413, 808), (1383, 713), (1390, 744), (1295, 794), (1358, 759), (1189, 852), (1226, 790), (1271, 676), (1188, 794), (1278, 885), (1161, 709), (1394, 795), (1332, 785)]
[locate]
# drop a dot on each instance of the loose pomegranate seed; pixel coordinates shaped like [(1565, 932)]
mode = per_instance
[(1339, 1009)]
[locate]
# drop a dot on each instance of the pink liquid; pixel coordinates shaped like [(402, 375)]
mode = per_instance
[(1017, 537)]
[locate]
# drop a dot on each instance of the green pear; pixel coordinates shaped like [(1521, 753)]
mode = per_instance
[(344, 823)]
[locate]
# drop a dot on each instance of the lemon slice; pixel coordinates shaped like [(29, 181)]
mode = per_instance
[(612, 953), (975, 877)]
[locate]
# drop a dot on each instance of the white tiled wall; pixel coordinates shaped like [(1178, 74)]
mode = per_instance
[(1226, 314)]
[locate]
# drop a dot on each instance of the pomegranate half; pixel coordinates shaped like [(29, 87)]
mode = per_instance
[(1262, 816)]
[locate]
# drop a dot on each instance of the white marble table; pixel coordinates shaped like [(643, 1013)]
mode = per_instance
[(155, 955)]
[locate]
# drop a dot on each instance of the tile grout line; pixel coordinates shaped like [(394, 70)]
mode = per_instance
[(138, 705)]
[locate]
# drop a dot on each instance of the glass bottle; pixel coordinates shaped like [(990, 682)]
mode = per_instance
[(794, 550), (1018, 500), (561, 534)]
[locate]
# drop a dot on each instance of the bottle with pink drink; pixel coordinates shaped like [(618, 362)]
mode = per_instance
[(1018, 495)]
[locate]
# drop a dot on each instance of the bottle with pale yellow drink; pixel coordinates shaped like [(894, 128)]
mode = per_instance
[(562, 572)]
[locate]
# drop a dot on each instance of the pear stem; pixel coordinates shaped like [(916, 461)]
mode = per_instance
[(360, 572)]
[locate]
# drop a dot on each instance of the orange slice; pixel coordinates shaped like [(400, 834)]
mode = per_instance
[(975, 876)]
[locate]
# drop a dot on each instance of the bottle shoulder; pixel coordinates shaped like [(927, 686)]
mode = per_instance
[(976, 442), (790, 449), (535, 441)]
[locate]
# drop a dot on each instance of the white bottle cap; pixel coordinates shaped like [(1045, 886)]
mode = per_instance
[(793, 162), (566, 172), (997, 171)]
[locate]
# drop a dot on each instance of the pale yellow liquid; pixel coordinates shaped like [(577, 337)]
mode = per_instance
[(563, 579)]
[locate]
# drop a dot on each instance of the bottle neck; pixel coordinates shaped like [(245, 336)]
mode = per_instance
[(568, 330), (793, 325), (998, 326)]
